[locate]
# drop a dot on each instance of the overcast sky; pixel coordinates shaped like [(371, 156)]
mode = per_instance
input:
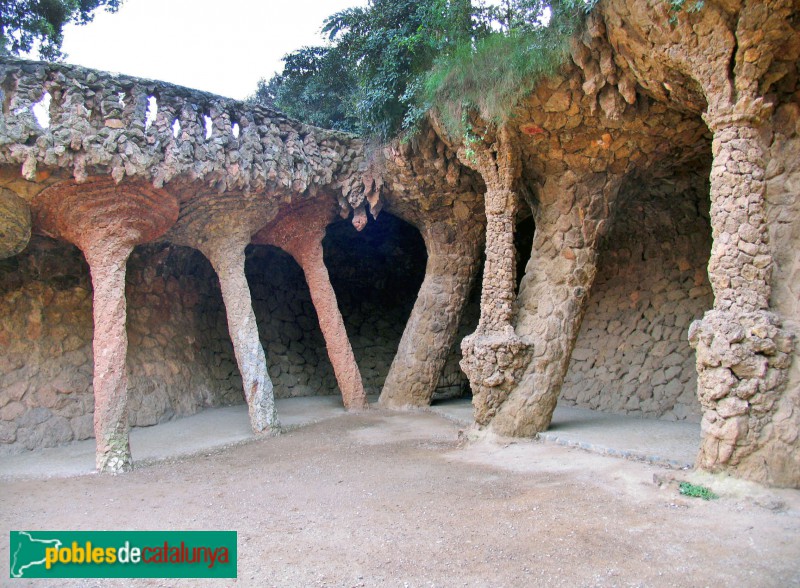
[(218, 46)]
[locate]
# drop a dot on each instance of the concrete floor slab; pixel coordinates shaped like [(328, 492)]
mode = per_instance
[(671, 443), (661, 442), (208, 430)]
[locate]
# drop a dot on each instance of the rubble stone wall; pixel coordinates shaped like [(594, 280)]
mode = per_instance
[(632, 355), (287, 325)]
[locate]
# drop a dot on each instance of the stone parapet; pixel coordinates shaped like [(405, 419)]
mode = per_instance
[(162, 133)]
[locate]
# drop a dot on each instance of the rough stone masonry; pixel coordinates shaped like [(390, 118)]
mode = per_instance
[(659, 170)]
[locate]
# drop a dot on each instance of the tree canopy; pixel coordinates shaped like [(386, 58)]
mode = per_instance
[(27, 25), (385, 65)]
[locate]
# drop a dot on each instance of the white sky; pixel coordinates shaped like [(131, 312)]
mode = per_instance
[(218, 46)]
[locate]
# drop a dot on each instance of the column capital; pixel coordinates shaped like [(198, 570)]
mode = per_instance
[(501, 201), (747, 112)]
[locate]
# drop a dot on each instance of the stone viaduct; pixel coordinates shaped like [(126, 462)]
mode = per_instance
[(658, 176)]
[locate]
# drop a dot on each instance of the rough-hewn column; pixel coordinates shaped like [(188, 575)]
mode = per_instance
[(227, 257), (570, 217), (494, 356), (106, 221), (453, 257), (300, 233), (15, 223), (743, 354)]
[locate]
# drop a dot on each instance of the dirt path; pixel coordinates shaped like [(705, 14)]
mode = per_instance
[(393, 500)]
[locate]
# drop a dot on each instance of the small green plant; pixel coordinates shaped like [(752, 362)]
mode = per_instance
[(491, 76), (675, 6), (470, 138), (689, 5), (696, 491)]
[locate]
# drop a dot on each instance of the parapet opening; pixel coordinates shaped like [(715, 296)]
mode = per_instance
[(235, 130), (209, 125), (151, 113), (41, 110), (376, 274), (176, 128)]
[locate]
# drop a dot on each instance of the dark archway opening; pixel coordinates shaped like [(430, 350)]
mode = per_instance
[(376, 274)]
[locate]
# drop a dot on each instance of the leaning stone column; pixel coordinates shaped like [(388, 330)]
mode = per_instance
[(226, 255), (453, 257), (494, 356), (571, 215), (106, 221), (220, 226), (743, 354), (300, 233), (110, 348)]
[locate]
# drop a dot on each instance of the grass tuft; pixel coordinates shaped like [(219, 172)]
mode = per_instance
[(491, 75), (696, 491)]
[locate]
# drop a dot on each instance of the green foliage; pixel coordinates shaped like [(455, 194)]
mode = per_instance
[(38, 24), (688, 5), (696, 491), (676, 6), (390, 44), (392, 61), (491, 74), (316, 86), (366, 80)]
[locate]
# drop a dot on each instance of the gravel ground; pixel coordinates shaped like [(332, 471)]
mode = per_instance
[(392, 499)]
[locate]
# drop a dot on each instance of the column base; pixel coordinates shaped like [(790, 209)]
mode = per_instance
[(494, 363), (115, 457), (743, 361)]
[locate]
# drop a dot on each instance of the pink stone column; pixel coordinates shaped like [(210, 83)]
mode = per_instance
[(110, 348), (106, 220), (220, 226), (227, 258), (300, 234), (331, 324)]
